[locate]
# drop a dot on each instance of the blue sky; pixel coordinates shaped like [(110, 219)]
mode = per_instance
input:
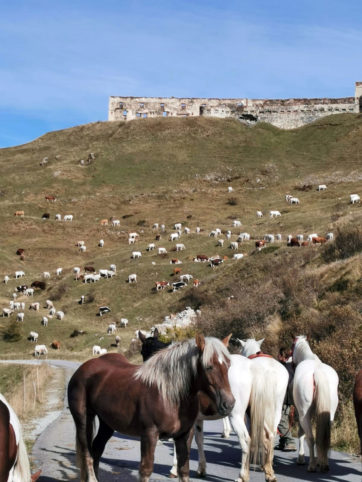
[(60, 61)]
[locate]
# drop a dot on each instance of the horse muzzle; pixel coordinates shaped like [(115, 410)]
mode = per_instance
[(225, 404)]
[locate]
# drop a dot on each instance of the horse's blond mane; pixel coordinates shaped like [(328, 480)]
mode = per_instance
[(173, 369)]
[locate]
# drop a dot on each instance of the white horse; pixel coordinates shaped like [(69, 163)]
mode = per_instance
[(240, 379), (315, 391), (270, 381)]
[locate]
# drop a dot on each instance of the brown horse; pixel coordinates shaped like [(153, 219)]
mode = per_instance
[(158, 399), (14, 462), (357, 402)]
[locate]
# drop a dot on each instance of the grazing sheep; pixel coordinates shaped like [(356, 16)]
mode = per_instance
[(132, 278), (123, 323), (33, 336), (96, 350), (20, 317), (7, 312)]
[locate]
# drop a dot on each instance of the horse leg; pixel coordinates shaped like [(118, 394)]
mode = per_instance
[(173, 472), (307, 427), (84, 431), (269, 455), (148, 445), (183, 445), (301, 437), (227, 427), (199, 438), (238, 424), (104, 434), (84, 425)]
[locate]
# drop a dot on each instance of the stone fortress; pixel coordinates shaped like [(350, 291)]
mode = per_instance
[(283, 113)]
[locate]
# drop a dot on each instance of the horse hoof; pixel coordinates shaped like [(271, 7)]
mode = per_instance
[(201, 475), (301, 460), (324, 468), (311, 469), (224, 435), (172, 476)]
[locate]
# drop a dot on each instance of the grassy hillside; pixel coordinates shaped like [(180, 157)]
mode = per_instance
[(178, 170), (168, 170)]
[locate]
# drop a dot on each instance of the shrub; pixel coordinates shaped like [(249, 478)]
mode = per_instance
[(12, 332), (348, 242), (59, 292)]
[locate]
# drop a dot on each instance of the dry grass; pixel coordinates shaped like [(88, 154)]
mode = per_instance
[(344, 435), (24, 388)]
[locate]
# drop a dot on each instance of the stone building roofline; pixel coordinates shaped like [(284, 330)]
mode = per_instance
[(304, 100)]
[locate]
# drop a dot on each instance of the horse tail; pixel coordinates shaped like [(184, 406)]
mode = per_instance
[(22, 466), (322, 399), (262, 413)]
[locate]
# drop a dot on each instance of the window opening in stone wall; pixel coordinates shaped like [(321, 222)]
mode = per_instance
[(145, 115), (142, 105), (138, 114), (121, 105), (202, 109), (125, 112), (162, 107), (164, 113), (360, 104), (183, 106)]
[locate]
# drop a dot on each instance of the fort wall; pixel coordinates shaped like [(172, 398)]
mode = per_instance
[(283, 113)]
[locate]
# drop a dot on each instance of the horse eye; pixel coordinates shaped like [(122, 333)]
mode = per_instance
[(210, 367)]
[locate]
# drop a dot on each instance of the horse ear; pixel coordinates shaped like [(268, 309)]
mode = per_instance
[(226, 340), (141, 336), (155, 333), (260, 342), (200, 342), (242, 343)]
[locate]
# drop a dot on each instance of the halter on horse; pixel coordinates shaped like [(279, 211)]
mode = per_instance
[(123, 395), (315, 390)]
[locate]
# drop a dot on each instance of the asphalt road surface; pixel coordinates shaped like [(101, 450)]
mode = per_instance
[(54, 452)]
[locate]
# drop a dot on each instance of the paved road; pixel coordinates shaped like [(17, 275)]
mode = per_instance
[(54, 453)]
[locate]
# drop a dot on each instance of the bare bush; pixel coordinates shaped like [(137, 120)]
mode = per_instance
[(58, 293), (348, 242)]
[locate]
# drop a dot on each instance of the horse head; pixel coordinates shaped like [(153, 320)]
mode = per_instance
[(250, 346), (215, 363), (151, 344)]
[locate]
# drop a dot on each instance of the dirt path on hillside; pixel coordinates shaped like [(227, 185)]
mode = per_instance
[(54, 453)]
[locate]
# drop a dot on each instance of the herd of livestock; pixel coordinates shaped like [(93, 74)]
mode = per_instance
[(90, 275), (253, 370)]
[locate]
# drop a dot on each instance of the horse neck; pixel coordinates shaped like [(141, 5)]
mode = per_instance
[(302, 351)]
